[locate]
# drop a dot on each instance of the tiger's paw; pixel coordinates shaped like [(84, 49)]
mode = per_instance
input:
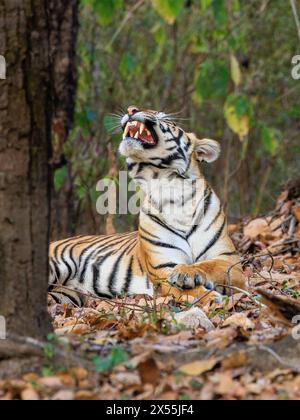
[(188, 277)]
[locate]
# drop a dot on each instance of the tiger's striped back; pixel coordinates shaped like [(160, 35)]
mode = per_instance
[(97, 265)]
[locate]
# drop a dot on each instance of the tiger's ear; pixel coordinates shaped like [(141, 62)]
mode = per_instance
[(206, 149)]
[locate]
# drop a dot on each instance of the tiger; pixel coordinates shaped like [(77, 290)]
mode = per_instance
[(182, 236)]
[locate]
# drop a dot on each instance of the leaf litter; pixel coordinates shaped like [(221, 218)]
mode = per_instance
[(183, 346)]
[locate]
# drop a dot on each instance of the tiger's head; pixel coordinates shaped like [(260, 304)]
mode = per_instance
[(153, 139)]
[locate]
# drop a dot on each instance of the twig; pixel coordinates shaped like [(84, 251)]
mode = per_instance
[(248, 294), (296, 17), (130, 306), (128, 16), (279, 359)]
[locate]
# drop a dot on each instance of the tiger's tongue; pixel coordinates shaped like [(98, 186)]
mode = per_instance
[(146, 137)]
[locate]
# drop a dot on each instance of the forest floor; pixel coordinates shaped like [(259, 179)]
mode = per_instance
[(239, 347)]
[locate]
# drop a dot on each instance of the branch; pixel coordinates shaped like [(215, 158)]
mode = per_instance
[(295, 13)]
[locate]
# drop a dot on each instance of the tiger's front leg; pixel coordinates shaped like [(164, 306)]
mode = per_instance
[(209, 274)]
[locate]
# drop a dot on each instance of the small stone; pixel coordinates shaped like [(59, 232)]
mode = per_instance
[(194, 318)]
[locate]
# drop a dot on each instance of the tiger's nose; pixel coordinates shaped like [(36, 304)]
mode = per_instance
[(132, 110)]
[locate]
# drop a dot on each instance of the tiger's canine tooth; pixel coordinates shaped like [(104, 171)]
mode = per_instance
[(126, 131), (142, 128), (136, 135)]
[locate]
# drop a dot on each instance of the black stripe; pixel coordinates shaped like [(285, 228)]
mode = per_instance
[(166, 265), (96, 272), (114, 273), (128, 277), (140, 266), (148, 233), (91, 243), (56, 268), (207, 199), (73, 299), (107, 244), (99, 240), (67, 264), (213, 241), (131, 248), (126, 244), (130, 166), (214, 220), (157, 220), (72, 254), (194, 228), (63, 243), (229, 253), (161, 244)]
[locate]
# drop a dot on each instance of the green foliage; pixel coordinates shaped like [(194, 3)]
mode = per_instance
[(220, 12), (205, 4), (115, 358), (216, 60), (128, 65), (49, 351), (106, 9), (238, 113), (169, 10), (60, 177), (271, 139), (212, 79)]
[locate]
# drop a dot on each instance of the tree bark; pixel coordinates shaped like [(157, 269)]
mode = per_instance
[(25, 153), (63, 36)]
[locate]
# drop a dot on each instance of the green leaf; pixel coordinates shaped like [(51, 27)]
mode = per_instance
[(127, 65), (271, 139), (238, 112), (105, 10), (220, 12), (116, 357), (60, 176), (236, 73), (159, 34), (212, 80), (205, 4), (169, 10), (236, 5)]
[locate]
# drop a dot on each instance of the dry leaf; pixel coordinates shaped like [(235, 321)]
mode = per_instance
[(50, 382), (29, 394), (149, 372), (296, 211), (239, 320), (235, 360), (198, 367), (64, 395), (257, 227)]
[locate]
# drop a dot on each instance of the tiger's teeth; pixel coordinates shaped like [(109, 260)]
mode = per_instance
[(136, 135), (142, 128), (148, 133), (135, 123), (125, 131), (130, 134)]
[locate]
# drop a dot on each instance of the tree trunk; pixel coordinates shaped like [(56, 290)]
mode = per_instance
[(25, 153), (63, 35)]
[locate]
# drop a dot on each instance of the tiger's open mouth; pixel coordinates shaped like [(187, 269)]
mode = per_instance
[(141, 132)]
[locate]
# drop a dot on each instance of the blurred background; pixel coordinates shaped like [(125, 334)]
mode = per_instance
[(223, 65)]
